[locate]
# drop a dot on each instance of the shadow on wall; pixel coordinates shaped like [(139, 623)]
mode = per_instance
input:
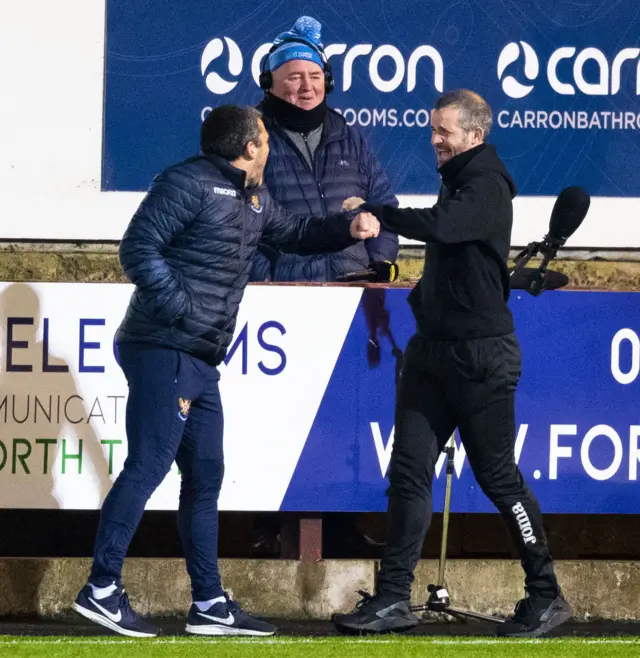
[(44, 432)]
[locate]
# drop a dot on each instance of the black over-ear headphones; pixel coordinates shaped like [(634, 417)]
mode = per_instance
[(266, 79)]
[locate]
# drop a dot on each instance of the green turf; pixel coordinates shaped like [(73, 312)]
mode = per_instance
[(331, 647)]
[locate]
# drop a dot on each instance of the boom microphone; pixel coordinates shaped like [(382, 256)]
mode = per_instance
[(569, 210), (377, 272)]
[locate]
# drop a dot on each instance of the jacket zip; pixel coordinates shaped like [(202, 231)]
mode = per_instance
[(240, 259), (312, 170), (312, 159), (310, 167)]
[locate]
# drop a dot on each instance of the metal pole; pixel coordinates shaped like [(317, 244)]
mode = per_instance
[(450, 452)]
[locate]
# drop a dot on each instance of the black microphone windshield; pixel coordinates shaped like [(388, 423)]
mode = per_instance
[(569, 210)]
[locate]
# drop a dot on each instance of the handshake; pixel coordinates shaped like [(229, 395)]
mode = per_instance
[(365, 225)]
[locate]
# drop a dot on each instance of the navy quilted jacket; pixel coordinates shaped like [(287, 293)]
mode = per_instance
[(343, 166), (189, 249)]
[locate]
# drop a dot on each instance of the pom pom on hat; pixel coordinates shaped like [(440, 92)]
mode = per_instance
[(306, 29)]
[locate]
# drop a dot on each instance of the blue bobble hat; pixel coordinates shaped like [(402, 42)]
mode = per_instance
[(307, 30)]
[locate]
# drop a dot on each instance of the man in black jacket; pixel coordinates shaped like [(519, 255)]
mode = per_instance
[(189, 250), (461, 370)]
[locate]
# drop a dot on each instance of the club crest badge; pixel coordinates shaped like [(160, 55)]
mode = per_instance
[(184, 405), (255, 203)]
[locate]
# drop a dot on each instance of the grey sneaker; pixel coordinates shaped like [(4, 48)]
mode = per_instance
[(376, 614), (535, 616)]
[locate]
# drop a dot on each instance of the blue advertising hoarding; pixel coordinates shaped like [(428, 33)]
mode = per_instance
[(577, 411), (562, 79), (309, 401)]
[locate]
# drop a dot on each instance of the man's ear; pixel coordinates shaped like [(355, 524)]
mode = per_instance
[(250, 150), (478, 133)]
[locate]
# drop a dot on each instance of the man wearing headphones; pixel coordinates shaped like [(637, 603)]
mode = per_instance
[(316, 160)]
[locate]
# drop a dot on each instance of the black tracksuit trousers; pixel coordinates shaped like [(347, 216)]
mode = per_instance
[(468, 384)]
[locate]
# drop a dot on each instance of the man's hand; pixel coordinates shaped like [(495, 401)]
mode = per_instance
[(352, 203), (364, 226)]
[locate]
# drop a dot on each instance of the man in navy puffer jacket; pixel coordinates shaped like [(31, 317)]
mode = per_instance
[(188, 250), (316, 160)]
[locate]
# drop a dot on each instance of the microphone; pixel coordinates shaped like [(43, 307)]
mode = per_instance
[(569, 211), (377, 272)]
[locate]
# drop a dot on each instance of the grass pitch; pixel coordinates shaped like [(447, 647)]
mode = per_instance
[(318, 647)]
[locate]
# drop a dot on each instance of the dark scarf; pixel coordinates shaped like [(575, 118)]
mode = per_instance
[(291, 117)]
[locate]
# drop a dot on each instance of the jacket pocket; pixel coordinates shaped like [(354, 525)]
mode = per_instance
[(512, 357), (170, 305)]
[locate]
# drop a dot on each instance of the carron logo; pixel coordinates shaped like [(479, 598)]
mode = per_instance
[(214, 81), (404, 71), (607, 79), (510, 54)]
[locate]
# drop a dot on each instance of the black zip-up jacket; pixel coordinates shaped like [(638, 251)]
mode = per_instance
[(464, 289), (189, 250)]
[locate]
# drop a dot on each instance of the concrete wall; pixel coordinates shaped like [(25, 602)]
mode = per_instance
[(315, 590)]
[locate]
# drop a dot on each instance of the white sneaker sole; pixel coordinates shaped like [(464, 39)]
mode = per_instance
[(215, 629), (107, 623)]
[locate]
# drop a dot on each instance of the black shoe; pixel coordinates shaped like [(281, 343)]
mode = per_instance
[(376, 614), (113, 612), (225, 617), (536, 615)]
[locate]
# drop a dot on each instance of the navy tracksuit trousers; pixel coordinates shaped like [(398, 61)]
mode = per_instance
[(174, 413)]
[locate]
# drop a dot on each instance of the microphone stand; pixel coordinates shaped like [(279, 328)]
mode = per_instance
[(549, 248), (439, 599)]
